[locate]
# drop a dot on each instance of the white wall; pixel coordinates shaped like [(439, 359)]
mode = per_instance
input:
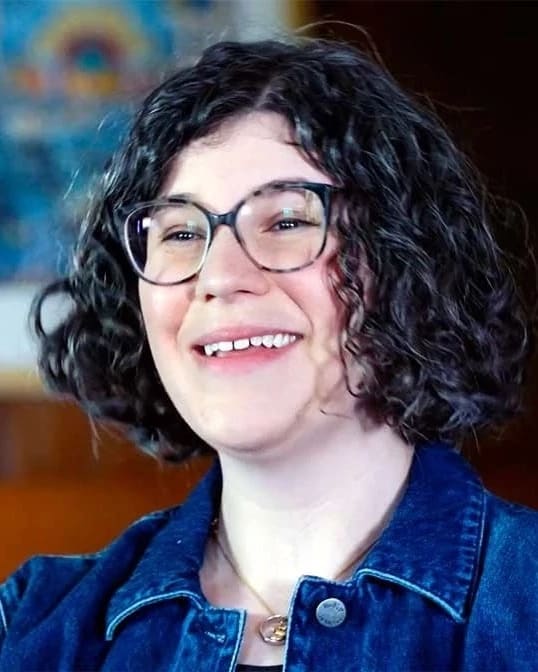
[(16, 348)]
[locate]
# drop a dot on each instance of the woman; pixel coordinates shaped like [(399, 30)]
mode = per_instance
[(290, 264)]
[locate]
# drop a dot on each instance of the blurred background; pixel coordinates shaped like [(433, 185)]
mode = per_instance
[(71, 72)]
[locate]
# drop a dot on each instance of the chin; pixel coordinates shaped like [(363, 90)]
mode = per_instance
[(243, 439)]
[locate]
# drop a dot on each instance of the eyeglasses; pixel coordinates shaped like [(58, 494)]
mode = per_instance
[(281, 227)]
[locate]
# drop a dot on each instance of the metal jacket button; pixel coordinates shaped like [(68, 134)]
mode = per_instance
[(331, 612)]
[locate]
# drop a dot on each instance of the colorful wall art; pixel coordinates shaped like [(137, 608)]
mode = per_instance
[(70, 72)]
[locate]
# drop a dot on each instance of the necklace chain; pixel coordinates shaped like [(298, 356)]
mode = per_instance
[(274, 629)]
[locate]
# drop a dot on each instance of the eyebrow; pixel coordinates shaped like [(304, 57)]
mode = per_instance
[(186, 195), (192, 197)]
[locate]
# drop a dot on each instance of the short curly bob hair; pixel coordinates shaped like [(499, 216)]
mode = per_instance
[(447, 342)]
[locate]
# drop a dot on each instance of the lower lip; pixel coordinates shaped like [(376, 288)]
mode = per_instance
[(243, 361)]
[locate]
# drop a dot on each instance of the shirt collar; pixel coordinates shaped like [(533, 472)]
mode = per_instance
[(432, 543), (430, 546)]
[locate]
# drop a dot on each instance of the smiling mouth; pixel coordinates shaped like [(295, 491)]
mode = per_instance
[(247, 345)]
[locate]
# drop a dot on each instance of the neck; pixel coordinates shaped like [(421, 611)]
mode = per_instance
[(312, 511)]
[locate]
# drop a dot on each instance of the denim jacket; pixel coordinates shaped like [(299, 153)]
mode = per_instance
[(452, 584)]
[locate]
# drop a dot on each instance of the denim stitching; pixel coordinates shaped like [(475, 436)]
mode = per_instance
[(239, 641), (3, 617), (142, 603), (456, 615)]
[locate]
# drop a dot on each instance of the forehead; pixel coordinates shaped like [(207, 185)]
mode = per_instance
[(244, 154)]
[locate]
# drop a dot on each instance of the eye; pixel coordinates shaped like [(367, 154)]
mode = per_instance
[(181, 236), (290, 224), (285, 224), (175, 224)]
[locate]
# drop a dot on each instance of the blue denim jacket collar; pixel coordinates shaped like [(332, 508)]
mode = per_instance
[(430, 546)]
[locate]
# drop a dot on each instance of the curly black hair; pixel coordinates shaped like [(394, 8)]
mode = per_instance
[(447, 340)]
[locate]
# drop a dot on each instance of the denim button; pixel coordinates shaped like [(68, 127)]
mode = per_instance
[(331, 612)]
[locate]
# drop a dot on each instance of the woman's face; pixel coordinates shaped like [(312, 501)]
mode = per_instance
[(261, 396)]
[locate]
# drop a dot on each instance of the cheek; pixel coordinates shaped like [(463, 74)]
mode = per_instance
[(163, 310), (312, 291)]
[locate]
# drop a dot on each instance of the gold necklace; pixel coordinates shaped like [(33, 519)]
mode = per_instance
[(274, 629)]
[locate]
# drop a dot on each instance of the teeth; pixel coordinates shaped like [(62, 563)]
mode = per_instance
[(278, 340), (241, 344), (268, 341)]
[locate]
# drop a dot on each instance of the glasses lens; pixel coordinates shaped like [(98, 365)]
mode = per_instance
[(167, 242), (282, 228)]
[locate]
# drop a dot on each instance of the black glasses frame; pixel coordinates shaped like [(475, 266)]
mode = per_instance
[(323, 191)]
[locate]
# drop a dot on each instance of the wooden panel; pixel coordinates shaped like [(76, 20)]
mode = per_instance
[(60, 494)]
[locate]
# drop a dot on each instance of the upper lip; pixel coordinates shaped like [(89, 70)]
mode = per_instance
[(236, 333)]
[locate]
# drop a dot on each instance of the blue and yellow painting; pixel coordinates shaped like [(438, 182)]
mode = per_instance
[(70, 72)]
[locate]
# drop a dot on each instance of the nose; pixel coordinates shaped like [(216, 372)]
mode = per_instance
[(227, 269)]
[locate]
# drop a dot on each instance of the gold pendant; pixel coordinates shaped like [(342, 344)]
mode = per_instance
[(274, 630)]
